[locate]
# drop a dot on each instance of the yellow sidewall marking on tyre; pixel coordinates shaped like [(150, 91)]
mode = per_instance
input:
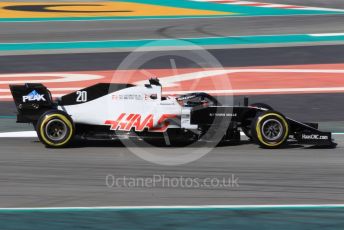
[(63, 118), (95, 9), (259, 134)]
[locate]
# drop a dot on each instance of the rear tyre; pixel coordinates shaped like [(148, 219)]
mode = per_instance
[(55, 129), (270, 130)]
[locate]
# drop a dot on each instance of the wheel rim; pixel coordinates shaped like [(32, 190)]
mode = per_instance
[(272, 129), (56, 130)]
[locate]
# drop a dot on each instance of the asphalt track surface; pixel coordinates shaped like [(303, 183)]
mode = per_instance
[(302, 55), (32, 175), (15, 32)]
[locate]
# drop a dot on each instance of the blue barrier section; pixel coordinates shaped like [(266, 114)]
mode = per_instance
[(274, 218)]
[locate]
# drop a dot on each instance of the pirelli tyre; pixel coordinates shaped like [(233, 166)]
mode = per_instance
[(246, 128), (55, 129), (270, 129)]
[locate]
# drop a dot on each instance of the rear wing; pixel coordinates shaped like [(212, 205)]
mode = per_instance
[(31, 101)]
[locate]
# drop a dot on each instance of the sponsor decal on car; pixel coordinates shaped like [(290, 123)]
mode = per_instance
[(34, 96), (314, 137), (125, 122), (182, 98), (116, 97), (222, 114)]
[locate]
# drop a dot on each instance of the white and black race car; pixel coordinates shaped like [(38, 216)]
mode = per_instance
[(109, 111)]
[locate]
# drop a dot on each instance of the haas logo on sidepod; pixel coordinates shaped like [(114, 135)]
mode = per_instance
[(126, 122)]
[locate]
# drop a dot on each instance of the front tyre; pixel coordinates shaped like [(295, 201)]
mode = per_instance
[(246, 128), (55, 129), (270, 129)]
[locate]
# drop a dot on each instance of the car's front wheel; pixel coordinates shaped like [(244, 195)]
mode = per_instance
[(246, 128), (270, 129), (55, 129)]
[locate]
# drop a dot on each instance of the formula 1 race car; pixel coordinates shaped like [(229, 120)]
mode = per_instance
[(109, 111)]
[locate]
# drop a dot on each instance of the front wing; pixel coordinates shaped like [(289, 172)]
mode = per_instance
[(306, 133)]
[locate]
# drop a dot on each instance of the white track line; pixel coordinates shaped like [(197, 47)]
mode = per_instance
[(274, 5), (61, 77), (51, 89), (321, 9), (326, 34), (18, 134), (263, 91), (271, 5), (176, 207)]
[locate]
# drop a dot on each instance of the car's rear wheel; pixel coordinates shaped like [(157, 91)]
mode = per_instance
[(55, 129), (270, 129)]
